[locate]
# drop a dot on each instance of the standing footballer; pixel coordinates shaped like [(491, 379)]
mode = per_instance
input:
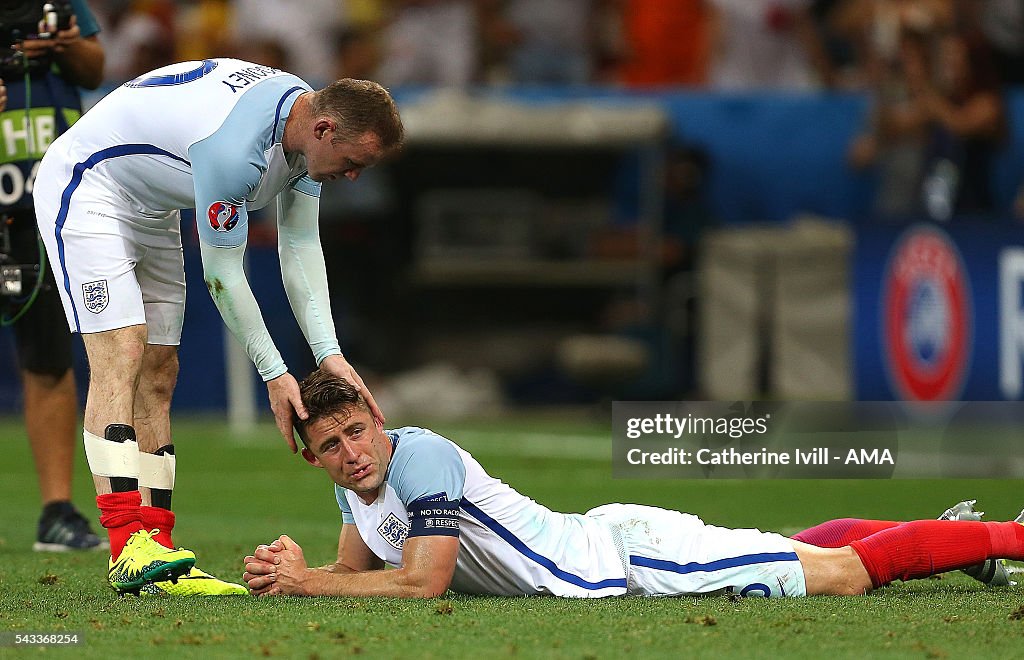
[(225, 137)]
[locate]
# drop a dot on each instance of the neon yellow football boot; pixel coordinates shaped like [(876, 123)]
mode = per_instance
[(144, 560), (194, 583)]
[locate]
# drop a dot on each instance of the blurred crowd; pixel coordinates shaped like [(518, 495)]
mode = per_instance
[(934, 70), (717, 44)]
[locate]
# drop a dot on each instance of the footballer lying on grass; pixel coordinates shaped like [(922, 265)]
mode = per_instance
[(417, 501)]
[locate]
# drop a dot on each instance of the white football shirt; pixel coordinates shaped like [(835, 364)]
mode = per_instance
[(204, 135), (508, 543)]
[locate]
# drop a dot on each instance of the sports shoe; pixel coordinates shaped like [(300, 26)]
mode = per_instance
[(63, 528), (991, 571), (144, 560), (962, 511), (194, 583)]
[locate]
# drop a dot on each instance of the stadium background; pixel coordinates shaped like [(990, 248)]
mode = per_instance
[(531, 258), (525, 250)]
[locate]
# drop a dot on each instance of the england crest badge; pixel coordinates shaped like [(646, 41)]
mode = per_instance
[(96, 296)]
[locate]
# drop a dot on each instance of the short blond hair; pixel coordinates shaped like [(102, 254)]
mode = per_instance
[(359, 106)]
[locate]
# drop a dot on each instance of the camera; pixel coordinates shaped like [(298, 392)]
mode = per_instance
[(22, 20), (17, 280)]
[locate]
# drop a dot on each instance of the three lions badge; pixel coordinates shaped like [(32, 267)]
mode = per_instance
[(96, 296)]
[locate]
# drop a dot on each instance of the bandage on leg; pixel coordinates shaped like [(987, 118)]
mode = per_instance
[(116, 457), (156, 473)]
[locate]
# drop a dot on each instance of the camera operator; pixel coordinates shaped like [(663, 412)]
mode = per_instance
[(41, 75)]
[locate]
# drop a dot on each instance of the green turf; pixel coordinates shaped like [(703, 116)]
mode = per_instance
[(234, 493)]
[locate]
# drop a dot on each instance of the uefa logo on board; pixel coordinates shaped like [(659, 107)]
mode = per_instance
[(926, 316)]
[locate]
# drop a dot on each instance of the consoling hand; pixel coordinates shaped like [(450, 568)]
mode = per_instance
[(337, 365), (283, 392)]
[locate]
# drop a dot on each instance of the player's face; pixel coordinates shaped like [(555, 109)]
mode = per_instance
[(353, 449), (329, 161)]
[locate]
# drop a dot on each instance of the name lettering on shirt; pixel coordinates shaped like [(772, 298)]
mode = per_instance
[(245, 77)]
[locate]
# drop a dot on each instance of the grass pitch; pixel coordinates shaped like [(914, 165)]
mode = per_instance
[(234, 493)]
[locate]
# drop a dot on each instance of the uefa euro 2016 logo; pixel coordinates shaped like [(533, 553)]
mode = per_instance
[(926, 316), (223, 216)]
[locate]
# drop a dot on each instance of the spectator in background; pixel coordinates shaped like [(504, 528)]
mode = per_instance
[(430, 42), (304, 35), (841, 52), (541, 41), (358, 52), (137, 36), (358, 39), (958, 97), (663, 42), (47, 83), (886, 35), (269, 52), (1002, 23), (766, 44), (873, 29), (952, 116), (686, 217), (204, 29)]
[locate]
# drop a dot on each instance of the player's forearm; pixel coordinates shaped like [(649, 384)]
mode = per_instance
[(305, 282), (304, 272), (225, 278), (397, 583), (81, 62), (336, 567)]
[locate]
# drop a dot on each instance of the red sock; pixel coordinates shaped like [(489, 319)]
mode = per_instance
[(154, 517), (921, 548), (120, 515), (841, 532)]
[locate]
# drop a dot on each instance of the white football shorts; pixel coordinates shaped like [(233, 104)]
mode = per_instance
[(675, 554), (114, 266)]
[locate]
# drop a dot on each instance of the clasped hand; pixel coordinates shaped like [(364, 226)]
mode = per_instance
[(276, 569)]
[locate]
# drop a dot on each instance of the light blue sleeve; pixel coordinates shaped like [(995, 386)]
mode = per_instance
[(227, 165), (304, 272), (426, 466), (226, 168), (346, 511)]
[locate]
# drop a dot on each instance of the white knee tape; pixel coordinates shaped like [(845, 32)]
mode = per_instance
[(156, 471), (112, 459)]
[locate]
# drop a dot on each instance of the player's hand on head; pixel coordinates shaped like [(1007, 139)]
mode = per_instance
[(284, 401), (3, 96), (337, 365)]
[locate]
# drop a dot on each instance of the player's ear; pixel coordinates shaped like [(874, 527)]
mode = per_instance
[(321, 127), (310, 458)]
